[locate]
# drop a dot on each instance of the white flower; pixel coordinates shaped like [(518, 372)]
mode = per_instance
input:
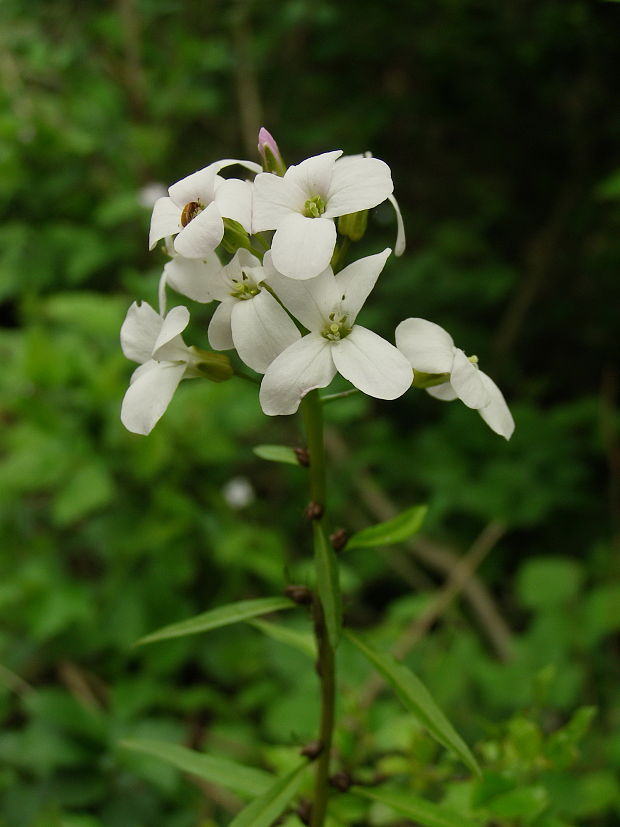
[(328, 306), (154, 341), (195, 206), (430, 349), (302, 205), (248, 318)]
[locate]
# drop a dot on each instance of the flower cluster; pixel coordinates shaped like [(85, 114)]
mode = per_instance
[(270, 252)]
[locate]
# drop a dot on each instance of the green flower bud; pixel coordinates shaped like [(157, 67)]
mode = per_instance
[(429, 380), (234, 236), (353, 225), (213, 366)]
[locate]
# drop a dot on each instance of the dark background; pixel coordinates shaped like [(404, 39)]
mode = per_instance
[(500, 122)]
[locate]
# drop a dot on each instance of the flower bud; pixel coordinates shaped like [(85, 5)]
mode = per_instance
[(429, 380), (270, 153), (353, 225), (234, 236), (214, 366)]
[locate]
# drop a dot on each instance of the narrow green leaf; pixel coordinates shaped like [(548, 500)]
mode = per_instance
[(327, 583), (246, 781), (276, 453), (263, 811), (222, 616), (425, 813), (418, 700), (303, 641), (392, 531)]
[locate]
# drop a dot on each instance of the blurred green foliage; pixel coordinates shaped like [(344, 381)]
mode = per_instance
[(500, 125)]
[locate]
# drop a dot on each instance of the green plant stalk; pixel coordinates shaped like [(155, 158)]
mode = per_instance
[(326, 666)]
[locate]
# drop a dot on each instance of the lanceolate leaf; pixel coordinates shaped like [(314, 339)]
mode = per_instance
[(263, 811), (392, 531), (246, 781), (277, 453), (303, 641), (416, 697), (222, 616), (425, 813), (328, 585)]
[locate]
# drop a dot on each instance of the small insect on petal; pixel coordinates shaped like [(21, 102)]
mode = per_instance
[(189, 212)]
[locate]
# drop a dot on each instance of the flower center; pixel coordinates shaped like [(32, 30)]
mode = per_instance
[(190, 211), (314, 207), (245, 288), (336, 328)]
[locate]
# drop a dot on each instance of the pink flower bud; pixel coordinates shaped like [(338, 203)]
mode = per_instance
[(270, 153)]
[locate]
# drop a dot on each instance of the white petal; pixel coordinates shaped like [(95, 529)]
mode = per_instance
[(190, 276), (401, 241), (175, 323), (234, 200), (466, 380), (357, 280), (496, 414), (161, 294), (149, 395), (274, 198), (428, 347), (314, 175), (302, 247), (139, 332), (220, 334), (199, 186), (202, 235), (372, 364), (445, 392), (358, 185), (311, 301), (165, 220), (302, 367), (261, 330)]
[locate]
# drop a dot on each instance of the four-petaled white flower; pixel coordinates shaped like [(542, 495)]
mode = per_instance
[(248, 318), (301, 207), (155, 342), (430, 349), (196, 205), (328, 306)]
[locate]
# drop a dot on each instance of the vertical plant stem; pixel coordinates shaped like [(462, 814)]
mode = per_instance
[(313, 423)]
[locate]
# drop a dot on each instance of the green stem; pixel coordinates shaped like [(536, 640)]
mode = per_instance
[(326, 667), (332, 397), (313, 424), (255, 380)]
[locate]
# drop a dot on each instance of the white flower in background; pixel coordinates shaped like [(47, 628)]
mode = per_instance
[(430, 349), (196, 205), (154, 341), (238, 493), (301, 207), (328, 306), (248, 318)]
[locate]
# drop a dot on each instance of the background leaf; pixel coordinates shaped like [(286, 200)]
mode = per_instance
[(416, 697), (399, 528), (222, 616), (243, 780), (425, 813), (264, 810)]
